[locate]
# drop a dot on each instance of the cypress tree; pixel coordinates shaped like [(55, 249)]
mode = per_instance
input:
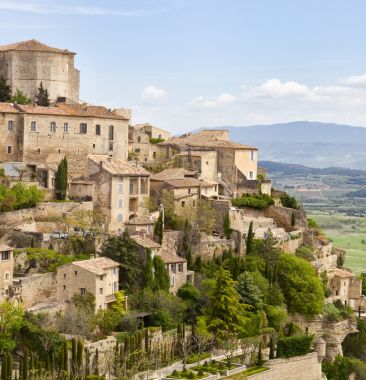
[(25, 364), (148, 276), (61, 180), (4, 366), (73, 354), (65, 364), (42, 98), (158, 228), (161, 275), (96, 362), (5, 91), (79, 357), (10, 366), (271, 348), (227, 226), (260, 357), (87, 362), (293, 219), (189, 258), (249, 241)]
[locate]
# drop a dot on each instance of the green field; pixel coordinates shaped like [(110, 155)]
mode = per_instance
[(348, 233)]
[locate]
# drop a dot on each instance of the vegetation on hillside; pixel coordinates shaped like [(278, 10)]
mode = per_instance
[(19, 196), (259, 201)]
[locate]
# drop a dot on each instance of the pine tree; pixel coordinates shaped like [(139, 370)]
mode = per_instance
[(42, 98), (5, 91), (61, 180), (250, 238), (227, 226), (249, 291), (73, 355), (148, 271), (158, 228)]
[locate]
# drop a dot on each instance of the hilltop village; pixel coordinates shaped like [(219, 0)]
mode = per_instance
[(130, 253)]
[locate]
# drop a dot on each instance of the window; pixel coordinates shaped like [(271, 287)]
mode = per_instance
[(172, 280), (137, 150), (82, 290), (114, 271), (7, 276), (215, 188), (250, 175), (83, 128), (93, 145), (120, 203), (10, 149), (101, 278), (64, 275), (120, 185), (100, 290), (76, 273), (33, 126), (59, 151), (66, 127), (10, 125), (139, 139), (183, 203), (39, 150), (97, 129), (111, 132), (5, 256), (120, 218), (189, 190), (64, 287), (180, 267), (206, 162), (110, 146), (53, 126), (252, 155)]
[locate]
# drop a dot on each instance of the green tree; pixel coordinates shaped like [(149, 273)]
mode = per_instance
[(249, 240), (61, 180), (107, 320), (227, 226), (300, 285), (42, 98), (161, 275), (192, 298), (159, 228), (148, 275), (249, 291), (293, 219), (11, 320), (124, 250), (5, 91), (225, 312), (20, 97), (25, 364)]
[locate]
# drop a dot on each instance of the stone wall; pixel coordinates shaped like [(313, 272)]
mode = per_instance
[(283, 215), (306, 367)]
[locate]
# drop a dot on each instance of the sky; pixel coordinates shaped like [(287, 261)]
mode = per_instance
[(187, 64)]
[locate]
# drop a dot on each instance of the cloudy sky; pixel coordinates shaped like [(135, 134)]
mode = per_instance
[(185, 64)]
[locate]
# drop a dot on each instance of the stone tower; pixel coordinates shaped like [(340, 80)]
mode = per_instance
[(26, 64)]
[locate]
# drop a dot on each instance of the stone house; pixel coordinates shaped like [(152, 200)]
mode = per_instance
[(42, 136), (236, 163), (345, 287), (99, 276), (140, 147), (184, 188), (141, 224), (119, 190), (6, 270), (175, 264), (26, 64)]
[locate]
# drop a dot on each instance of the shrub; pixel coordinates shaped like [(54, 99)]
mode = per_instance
[(312, 223), (156, 140), (259, 201), (294, 346), (305, 252), (288, 201)]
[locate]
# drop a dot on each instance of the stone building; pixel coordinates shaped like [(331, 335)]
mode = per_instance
[(117, 187), (98, 276), (235, 163), (26, 64), (6, 270), (175, 264), (42, 136), (184, 188), (140, 147)]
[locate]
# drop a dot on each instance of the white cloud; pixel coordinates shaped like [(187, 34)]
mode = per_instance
[(42, 7), (276, 88), (355, 80), (153, 94), (216, 102)]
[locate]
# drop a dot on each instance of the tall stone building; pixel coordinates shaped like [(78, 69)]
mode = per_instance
[(26, 64)]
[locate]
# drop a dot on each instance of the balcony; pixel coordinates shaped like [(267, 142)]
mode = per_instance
[(110, 298)]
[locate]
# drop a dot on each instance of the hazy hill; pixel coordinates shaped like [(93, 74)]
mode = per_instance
[(308, 143)]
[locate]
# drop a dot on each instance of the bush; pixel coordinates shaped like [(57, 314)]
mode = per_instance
[(19, 197), (312, 223), (305, 252), (259, 201), (288, 201), (294, 346), (156, 140)]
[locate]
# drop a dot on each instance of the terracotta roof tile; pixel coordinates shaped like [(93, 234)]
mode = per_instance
[(342, 273), (145, 241), (187, 182), (170, 174), (33, 45), (97, 266), (8, 108), (141, 220), (116, 166)]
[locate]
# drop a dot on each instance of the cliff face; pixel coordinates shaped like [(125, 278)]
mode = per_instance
[(332, 332)]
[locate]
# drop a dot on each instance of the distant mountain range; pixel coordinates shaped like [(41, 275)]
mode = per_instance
[(307, 143)]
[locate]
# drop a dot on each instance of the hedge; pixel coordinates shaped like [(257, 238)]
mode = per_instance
[(294, 346), (259, 201)]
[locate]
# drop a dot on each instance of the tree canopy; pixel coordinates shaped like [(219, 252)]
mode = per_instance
[(5, 91), (42, 98)]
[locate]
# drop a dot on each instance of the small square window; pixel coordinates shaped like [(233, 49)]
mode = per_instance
[(33, 126), (64, 275), (82, 291), (110, 146), (5, 255)]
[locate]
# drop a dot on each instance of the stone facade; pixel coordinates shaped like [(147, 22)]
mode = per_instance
[(26, 64), (6, 271), (98, 276)]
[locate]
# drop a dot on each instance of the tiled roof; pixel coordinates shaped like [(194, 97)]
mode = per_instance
[(187, 182), (97, 266), (141, 219), (170, 174), (343, 273), (38, 110), (8, 108), (33, 45), (145, 241), (5, 247), (204, 139), (170, 258), (116, 166)]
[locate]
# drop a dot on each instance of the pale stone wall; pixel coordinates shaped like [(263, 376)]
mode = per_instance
[(9, 137), (35, 289), (25, 70), (245, 164), (6, 273), (306, 367)]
